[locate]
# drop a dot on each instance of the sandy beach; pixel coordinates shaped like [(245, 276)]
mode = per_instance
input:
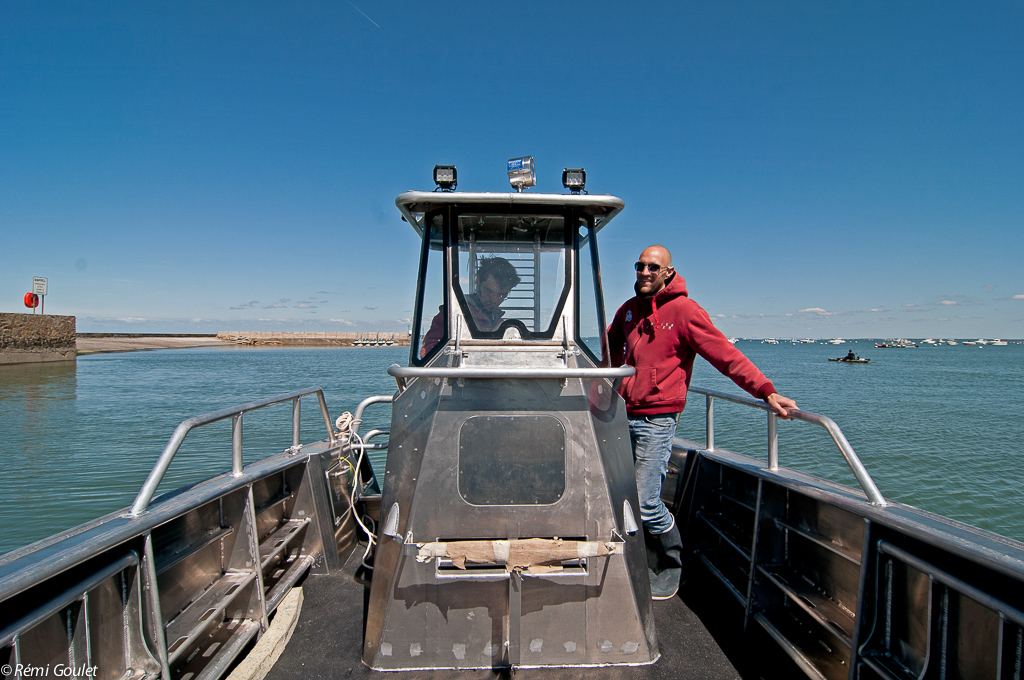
[(88, 345), (94, 343)]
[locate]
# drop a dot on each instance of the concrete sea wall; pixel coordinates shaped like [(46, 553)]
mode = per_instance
[(312, 338), (30, 338)]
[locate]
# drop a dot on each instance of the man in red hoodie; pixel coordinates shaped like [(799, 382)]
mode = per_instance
[(660, 332)]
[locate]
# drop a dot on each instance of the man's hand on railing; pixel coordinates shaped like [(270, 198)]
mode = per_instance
[(781, 404)]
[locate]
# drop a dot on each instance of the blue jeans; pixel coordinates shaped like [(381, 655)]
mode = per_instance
[(651, 437)]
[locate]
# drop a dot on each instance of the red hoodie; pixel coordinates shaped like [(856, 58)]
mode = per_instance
[(660, 336)]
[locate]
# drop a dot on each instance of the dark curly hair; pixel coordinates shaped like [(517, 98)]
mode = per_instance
[(502, 271)]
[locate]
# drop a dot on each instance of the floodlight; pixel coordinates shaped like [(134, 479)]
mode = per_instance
[(521, 172), (574, 179), (445, 177)]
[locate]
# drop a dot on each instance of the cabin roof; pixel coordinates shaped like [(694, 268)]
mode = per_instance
[(413, 204)]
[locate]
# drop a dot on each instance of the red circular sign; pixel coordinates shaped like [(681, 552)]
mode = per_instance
[(31, 300)]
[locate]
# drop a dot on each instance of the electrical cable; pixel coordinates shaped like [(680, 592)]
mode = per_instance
[(348, 430)]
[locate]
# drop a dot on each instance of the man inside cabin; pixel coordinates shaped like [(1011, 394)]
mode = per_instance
[(660, 332), (496, 277)]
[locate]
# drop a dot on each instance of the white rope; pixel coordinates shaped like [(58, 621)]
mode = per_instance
[(348, 428)]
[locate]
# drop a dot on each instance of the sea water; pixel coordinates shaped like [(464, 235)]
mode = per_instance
[(941, 428)]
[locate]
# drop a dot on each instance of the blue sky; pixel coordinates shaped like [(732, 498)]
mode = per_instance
[(817, 169)]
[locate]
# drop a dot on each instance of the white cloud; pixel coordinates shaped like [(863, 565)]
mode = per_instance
[(132, 319), (816, 310), (1017, 297), (947, 302), (343, 321)]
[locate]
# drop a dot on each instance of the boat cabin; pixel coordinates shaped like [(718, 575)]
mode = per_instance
[(510, 517)]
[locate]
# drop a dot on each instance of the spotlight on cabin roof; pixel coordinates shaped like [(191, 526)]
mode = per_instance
[(445, 177), (574, 179), (521, 172)]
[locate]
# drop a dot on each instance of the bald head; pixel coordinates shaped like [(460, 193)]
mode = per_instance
[(658, 255), (654, 269)]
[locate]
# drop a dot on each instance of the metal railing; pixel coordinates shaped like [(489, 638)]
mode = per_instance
[(236, 413), (507, 372), (357, 419), (852, 460)]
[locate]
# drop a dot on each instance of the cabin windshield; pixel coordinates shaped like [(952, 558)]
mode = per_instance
[(511, 271), (508, 275)]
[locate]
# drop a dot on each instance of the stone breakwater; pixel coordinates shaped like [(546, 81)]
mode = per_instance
[(313, 338), (30, 338)]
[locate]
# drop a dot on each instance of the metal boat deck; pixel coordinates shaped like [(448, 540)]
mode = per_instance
[(328, 639)]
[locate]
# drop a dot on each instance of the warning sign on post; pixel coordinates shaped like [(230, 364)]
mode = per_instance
[(39, 285)]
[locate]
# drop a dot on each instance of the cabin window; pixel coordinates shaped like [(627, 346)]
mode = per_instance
[(430, 328), (590, 322), (511, 271)]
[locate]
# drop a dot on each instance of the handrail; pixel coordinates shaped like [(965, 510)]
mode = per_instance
[(383, 446), (507, 372), (156, 475), (357, 419), (852, 460)]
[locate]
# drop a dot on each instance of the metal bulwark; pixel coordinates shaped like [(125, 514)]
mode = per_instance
[(846, 587), (192, 578)]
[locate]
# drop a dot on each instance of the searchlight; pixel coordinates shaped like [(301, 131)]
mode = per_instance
[(521, 172), (445, 177), (574, 179)]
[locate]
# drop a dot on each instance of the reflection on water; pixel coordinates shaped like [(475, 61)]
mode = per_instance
[(938, 427), (37, 406)]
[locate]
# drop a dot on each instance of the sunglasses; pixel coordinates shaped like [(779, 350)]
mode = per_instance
[(649, 266)]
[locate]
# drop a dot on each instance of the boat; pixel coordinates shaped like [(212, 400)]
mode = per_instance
[(900, 343), (850, 360), (505, 531), (836, 341)]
